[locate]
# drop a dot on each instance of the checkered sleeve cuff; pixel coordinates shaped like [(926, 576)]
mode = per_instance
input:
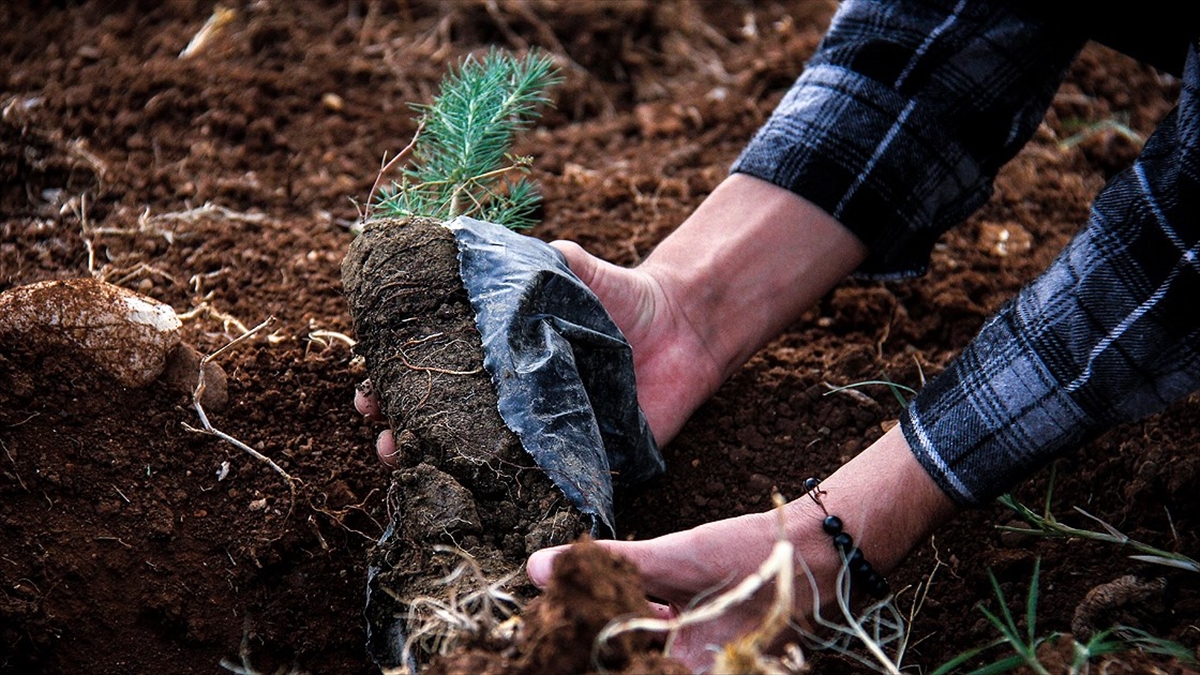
[(904, 115), (1108, 334)]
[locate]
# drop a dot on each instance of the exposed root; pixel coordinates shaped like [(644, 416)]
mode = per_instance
[(207, 311), (16, 473), (882, 618), (220, 18), (205, 210), (85, 233), (472, 607), (338, 516), (327, 337), (245, 667), (208, 428), (432, 369)]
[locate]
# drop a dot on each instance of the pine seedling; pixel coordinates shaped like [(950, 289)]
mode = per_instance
[(461, 164)]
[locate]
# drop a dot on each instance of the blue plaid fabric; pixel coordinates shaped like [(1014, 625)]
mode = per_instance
[(898, 127)]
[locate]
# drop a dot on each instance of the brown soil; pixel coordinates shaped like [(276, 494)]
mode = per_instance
[(227, 181), (464, 484)]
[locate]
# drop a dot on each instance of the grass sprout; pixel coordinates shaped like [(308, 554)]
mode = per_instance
[(1117, 124), (1026, 642), (1044, 524), (898, 390), (460, 162)]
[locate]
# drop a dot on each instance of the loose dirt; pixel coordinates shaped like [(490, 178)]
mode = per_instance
[(224, 185)]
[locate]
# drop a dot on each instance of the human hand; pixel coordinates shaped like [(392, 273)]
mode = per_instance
[(886, 500), (686, 568), (675, 369)]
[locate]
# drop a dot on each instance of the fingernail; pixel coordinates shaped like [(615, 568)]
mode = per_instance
[(540, 565), (386, 440)]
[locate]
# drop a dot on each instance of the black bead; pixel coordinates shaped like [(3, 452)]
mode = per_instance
[(832, 526), (857, 563), (872, 579), (811, 484), (880, 589), (844, 542)]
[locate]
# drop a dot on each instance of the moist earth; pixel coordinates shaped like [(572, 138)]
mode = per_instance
[(465, 488), (225, 183)]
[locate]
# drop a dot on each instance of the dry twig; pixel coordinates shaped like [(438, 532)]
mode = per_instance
[(208, 428), (388, 165)]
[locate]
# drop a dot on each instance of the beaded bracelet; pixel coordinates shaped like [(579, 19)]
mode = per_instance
[(861, 571)]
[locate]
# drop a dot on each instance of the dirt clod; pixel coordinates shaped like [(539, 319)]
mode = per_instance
[(475, 489)]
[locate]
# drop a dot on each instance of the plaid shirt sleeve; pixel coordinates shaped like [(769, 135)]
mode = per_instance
[(897, 128), (1108, 334), (905, 113)]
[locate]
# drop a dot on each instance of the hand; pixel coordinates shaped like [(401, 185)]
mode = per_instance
[(886, 500), (746, 264), (678, 568), (675, 369)]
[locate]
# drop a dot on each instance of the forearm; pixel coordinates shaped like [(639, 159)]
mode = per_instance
[(886, 501), (905, 113), (748, 262)]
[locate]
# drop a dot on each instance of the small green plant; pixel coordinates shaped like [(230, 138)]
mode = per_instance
[(460, 163), (898, 390), (1085, 130), (1026, 643), (1044, 524)]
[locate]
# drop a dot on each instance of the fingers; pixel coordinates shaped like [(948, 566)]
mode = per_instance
[(541, 564), (366, 401), (662, 611), (643, 556), (385, 447), (582, 263)]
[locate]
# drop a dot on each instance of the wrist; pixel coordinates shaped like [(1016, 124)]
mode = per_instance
[(747, 263), (885, 500)]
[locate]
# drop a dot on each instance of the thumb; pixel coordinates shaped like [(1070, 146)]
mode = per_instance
[(583, 264), (541, 564)]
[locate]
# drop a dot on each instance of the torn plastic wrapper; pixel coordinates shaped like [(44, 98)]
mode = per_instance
[(562, 369)]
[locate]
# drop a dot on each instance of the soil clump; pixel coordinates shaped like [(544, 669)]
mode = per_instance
[(465, 486)]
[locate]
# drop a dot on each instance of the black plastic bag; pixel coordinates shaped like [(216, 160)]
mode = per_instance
[(562, 369)]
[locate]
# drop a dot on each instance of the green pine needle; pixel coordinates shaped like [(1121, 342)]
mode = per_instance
[(461, 163)]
